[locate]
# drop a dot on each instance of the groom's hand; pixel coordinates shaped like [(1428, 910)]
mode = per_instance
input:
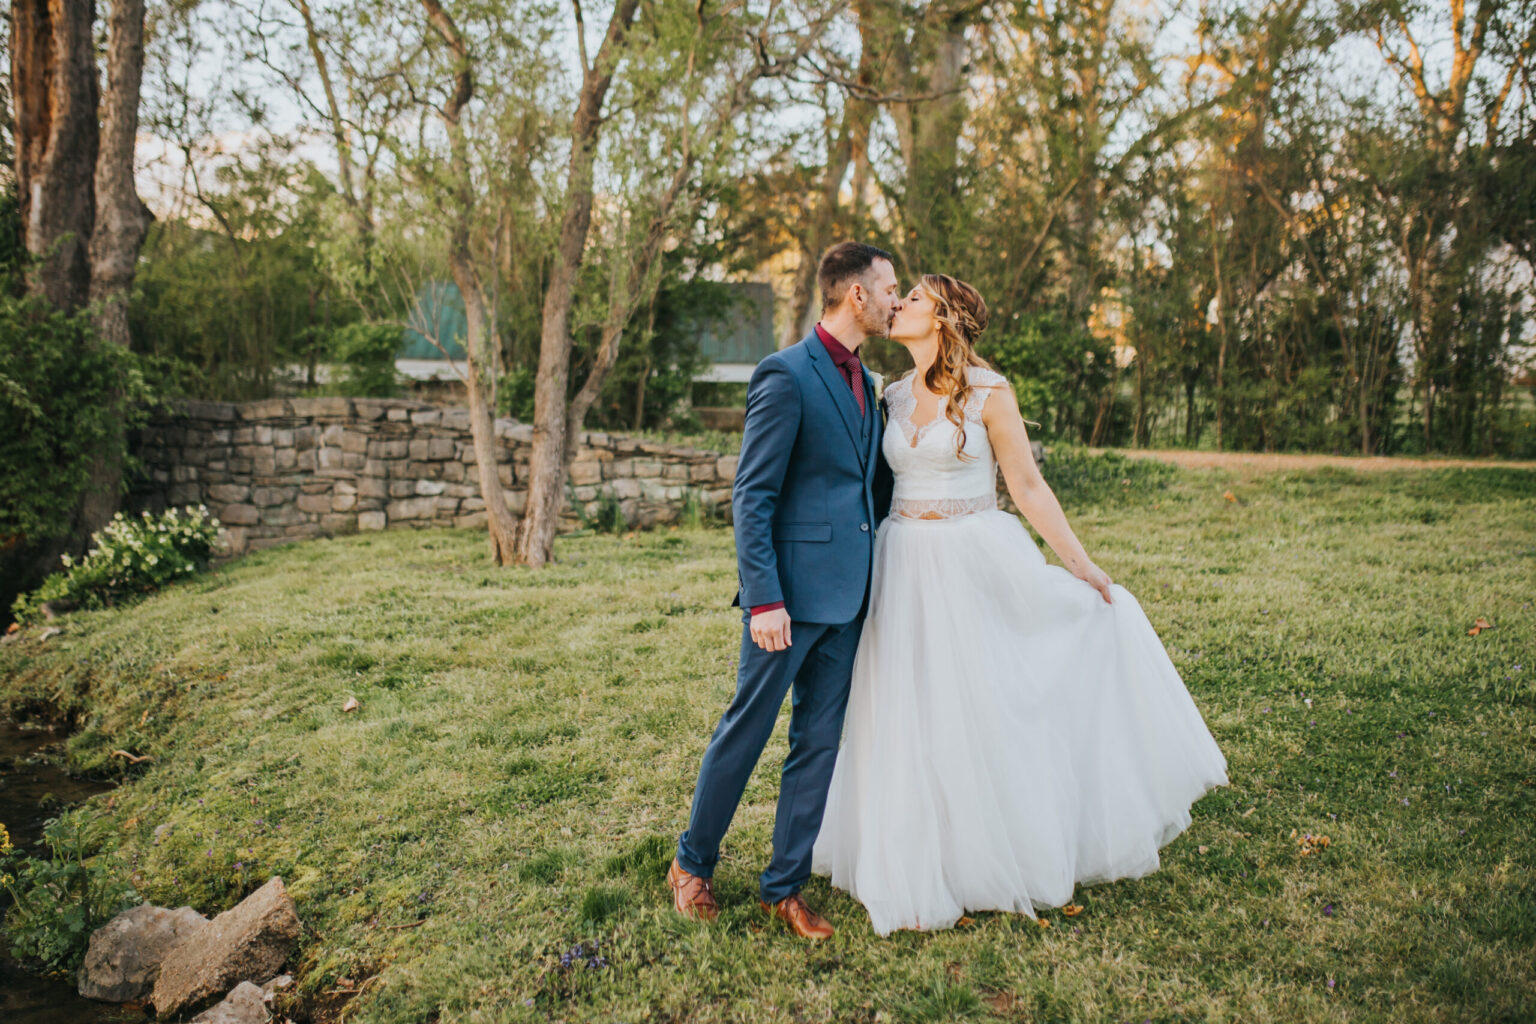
[(770, 629)]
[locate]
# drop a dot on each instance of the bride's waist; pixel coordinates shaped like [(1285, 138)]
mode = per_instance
[(911, 507)]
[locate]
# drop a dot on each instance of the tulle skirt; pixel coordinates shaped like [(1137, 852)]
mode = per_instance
[(1009, 735)]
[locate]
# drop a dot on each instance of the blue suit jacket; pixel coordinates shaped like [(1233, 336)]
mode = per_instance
[(808, 496)]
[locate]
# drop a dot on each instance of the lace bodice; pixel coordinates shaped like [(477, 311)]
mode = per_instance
[(932, 482)]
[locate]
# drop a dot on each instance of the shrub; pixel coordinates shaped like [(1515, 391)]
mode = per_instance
[(128, 557), (367, 354), (64, 401), (60, 900), (604, 515)]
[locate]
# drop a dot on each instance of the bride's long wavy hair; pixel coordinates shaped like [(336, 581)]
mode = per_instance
[(960, 313)]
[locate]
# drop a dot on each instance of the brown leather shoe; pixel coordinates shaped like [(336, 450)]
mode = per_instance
[(802, 920), (692, 896)]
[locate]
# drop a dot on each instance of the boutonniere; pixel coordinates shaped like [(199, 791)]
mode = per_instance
[(879, 381)]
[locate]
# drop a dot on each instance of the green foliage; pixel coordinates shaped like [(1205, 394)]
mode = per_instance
[(128, 557), (650, 383), (58, 901), (13, 252), (63, 399), (1083, 480), (603, 515), (1512, 427), (694, 512), (726, 442), (514, 393), (243, 302), (1058, 370), (367, 353)]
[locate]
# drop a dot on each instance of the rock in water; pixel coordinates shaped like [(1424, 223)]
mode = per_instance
[(248, 942), (243, 1005), (125, 954)]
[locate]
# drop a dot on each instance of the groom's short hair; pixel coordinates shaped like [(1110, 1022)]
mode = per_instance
[(842, 265)]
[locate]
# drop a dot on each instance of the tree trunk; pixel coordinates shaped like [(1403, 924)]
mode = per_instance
[(1138, 438), (480, 343), (500, 523), (122, 221), (53, 87), (536, 533), (1189, 412)]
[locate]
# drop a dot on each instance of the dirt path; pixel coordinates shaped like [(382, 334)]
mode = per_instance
[(1269, 462)]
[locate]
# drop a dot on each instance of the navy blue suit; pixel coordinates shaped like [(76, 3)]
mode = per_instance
[(811, 487)]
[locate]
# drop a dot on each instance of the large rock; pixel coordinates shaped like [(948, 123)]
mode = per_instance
[(125, 954), (245, 1004), (248, 942)]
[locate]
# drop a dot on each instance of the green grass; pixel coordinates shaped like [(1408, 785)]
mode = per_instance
[(527, 743)]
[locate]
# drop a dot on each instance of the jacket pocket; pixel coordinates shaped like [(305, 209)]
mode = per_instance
[(814, 532)]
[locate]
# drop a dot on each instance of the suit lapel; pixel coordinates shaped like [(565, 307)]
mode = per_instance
[(839, 391)]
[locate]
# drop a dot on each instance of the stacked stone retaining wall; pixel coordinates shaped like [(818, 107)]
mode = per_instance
[(286, 469)]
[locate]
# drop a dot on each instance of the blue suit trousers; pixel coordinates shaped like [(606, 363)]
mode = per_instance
[(818, 664)]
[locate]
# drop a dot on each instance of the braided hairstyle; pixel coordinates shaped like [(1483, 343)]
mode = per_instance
[(960, 314)]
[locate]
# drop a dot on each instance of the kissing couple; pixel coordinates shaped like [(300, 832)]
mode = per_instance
[(1013, 728)]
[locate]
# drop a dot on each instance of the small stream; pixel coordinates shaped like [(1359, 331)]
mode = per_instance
[(26, 998)]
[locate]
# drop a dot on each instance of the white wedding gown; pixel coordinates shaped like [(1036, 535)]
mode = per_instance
[(1009, 735)]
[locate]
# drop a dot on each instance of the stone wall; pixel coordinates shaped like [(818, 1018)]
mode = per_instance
[(286, 469)]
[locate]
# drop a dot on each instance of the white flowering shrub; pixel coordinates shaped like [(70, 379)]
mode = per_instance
[(129, 556)]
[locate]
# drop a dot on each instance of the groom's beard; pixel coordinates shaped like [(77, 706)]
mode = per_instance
[(875, 323)]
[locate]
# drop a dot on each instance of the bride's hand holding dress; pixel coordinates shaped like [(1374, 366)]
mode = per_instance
[(1016, 458)]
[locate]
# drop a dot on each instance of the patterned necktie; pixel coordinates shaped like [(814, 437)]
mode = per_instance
[(855, 371)]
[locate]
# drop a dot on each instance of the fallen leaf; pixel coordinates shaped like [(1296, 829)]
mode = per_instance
[(1072, 909), (1229, 496), (1204, 849), (350, 705), (964, 922), (1001, 1003), (130, 823), (1310, 843), (1042, 922), (13, 627)]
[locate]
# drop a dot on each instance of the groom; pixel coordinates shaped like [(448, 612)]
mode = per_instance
[(810, 488)]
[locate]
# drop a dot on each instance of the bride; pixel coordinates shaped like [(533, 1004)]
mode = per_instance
[(1014, 728)]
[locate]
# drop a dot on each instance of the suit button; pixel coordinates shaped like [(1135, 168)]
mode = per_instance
[(864, 527)]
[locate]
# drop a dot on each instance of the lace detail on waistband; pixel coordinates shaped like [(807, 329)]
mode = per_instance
[(941, 508)]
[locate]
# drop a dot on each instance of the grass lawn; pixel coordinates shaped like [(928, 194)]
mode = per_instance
[(526, 745)]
